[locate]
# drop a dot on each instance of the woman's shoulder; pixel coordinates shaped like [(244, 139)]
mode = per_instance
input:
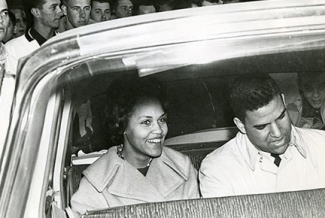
[(176, 159), (104, 163), (172, 153)]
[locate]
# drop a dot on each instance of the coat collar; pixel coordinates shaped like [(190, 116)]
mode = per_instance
[(251, 153), (119, 178)]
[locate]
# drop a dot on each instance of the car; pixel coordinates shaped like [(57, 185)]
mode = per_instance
[(196, 53)]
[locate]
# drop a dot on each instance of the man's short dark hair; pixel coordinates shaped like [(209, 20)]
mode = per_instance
[(138, 3), (28, 5), (251, 92), (12, 18), (102, 1), (114, 3)]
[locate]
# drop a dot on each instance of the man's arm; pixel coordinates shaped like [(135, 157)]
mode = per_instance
[(213, 182)]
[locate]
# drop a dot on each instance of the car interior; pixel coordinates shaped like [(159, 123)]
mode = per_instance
[(199, 118)]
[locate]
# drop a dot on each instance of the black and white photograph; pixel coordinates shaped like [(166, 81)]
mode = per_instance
[(162, 108)]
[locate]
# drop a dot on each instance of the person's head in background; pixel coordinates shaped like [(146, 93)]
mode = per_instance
[(211, 2), (136, 116), (77, 12), (43, 15), (143, 7), (312, 87), (21, 24), (100, 10), (122, 8), (260, 112), (11, 29), (4, 19), (182, 4), (164, 5)]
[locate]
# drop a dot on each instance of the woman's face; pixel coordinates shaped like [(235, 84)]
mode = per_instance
[(146, 130)]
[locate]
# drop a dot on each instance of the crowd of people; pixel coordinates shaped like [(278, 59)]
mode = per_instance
[(76, 13), (29, 24)]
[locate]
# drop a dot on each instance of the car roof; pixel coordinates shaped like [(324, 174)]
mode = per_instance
[(162, 41), (243, 29)]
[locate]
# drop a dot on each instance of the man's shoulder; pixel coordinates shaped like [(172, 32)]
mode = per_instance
[(13, 43), (20, 47), (307, 132), (226, 153), (312, 138)]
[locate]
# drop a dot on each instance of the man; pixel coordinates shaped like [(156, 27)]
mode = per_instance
[(165, 5), (100, 10), (308, 111), (11, 29), (7, 77), (4, 23), (77, 14), (211, 2), (144, 7), (20, 21), (44, 19), (122, 8), (268, 154)]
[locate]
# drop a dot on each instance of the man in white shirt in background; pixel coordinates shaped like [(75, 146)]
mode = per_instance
[(7, 75), (45, 17)]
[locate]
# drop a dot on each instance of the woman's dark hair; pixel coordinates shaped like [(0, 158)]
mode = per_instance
[(122, 97)]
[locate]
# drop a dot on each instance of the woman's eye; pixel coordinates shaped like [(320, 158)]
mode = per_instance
[(145, 122), (163, 120)]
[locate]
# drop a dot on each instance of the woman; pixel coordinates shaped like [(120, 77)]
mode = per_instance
[(139, 169)]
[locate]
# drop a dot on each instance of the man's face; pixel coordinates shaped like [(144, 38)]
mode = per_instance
[(77, 12), (100, 11), (123, 9), (20, 21), (50, 14), (268, 128), (10, 32), (4, 19), (313, 89), (146, 9)]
